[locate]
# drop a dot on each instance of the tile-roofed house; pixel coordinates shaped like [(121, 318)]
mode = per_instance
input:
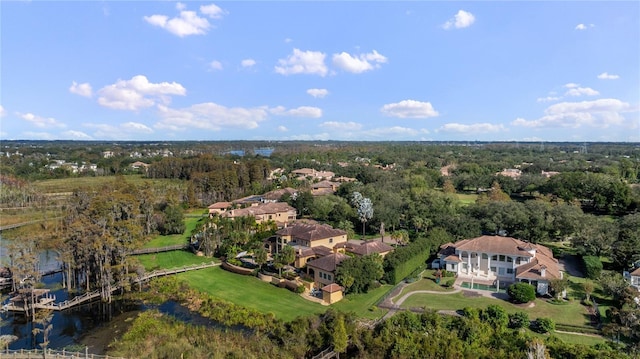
[(310, 240), (323, 270), (302, 173), (331, 293), (501, 258), (219, 207), (369, 247), (276, 195), (324, 188), (279, 212)]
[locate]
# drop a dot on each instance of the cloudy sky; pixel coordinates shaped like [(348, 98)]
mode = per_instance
[(512, 71)]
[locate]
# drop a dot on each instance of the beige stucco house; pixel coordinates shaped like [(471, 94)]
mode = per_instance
[(279, 212), (310, 240), (502, 259)]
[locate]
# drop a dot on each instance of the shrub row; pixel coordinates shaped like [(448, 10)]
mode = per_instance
[(592, 266), (404, 260)]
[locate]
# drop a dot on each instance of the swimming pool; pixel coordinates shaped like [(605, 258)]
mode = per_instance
[(480, 286)]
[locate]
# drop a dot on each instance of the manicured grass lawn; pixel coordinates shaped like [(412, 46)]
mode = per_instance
[(163, 241), (467, 198), (166, 260), (572, 313), (425, 283), (579, 339), (250, 292), (363, 304)]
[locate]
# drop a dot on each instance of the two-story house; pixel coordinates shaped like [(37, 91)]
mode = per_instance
[(310, 241), (502, 259), (279, 212)]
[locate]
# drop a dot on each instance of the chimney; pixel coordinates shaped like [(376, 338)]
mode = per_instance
[(543, 271)]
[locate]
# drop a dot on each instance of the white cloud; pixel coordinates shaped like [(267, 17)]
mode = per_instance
[(600, 113), (548, 99), (581, 91), (210, 116), (409, 109), (136, 127), (41, 122), (318, 93), (582, 27), (395, 132), (248, 62), (460, 20), (81, 89), (39, 135), (360, 63), (282, 129), (215, 65), (288, 40), (571, 85), (187, 22), (341, 126), (76, 135), (472, 128), (607, 76), (138, 93), (302, 111), (315, 137), (123, 131), (302, 62), (3, 112), (213, 11)]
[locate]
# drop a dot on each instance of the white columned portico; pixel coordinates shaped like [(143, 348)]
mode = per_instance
[(488, 265), (468, 261)]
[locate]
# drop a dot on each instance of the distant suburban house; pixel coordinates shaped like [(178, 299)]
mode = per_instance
[(503, 259), (343, 179), (309, 240), (276, 195), (219, 208), (510, 172), (139, 165), (324, 187), (323, 270), (279, 212), (303, 173), (634, 278), (548, 174)]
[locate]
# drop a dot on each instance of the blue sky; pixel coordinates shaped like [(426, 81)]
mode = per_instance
[(446, 71)]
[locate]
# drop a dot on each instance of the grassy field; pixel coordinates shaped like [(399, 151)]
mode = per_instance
[(64, 185), (363, 304), (467, 198), (250, 292), (579, 339), (171, 259), (572, 313), (190, 222)]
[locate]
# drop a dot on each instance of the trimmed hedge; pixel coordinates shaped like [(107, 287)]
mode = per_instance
[(592, 266), (400, 263), (521, 292)]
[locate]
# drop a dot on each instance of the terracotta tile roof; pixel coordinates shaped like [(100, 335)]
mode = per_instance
[(332, 288), (636, 272), (220, 205), (261, 209), (275, 195), (453, 258), (370, 247), (328, 263), (311, 232), (533, 270), (496, 244), (325, 184)]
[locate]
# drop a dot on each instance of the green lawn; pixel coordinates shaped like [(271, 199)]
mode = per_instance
[(250, 292), (363, 305), (467, 198), (572, 313), (70, 184), (579, 339), (171, 259), (163, 241)]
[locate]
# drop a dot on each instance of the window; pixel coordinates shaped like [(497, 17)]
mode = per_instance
[(330, 240), (328, 277), (485, 256), (509, 270), (494, 257), (500, 271), (501, 258), (509, 259), (493, 269)]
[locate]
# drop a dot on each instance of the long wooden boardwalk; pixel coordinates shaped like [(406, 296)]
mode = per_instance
[(160, 249), (48, 302), (49, 353)]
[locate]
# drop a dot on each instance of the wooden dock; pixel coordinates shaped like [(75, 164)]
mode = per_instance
[(50, 353), (48, 301), (176, 247)]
